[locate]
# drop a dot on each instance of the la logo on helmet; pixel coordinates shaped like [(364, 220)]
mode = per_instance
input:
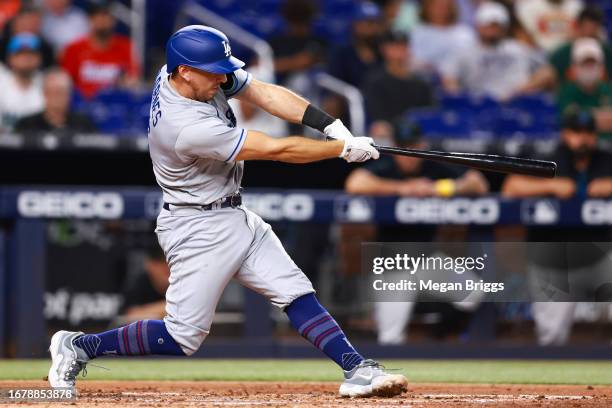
[(226, 48)]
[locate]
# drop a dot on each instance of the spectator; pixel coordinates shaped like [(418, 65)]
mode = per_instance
[(27, 20), (549, 22), (8, 9), (439, 35), (57, 117), (351, 62), (590, 88), (21, 83), (583, 170), (589, 25), (393, 90), (103, 59), (299, 49), (497, 65), (63, 23), (413, 177)]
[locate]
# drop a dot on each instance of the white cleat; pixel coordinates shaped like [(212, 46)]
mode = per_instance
[(67, 363), (370, 379)]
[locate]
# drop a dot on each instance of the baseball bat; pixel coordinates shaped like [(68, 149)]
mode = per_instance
[(480, 161)]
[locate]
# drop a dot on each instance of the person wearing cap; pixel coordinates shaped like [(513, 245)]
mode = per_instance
[(299, 48), (102, 59), (27, 20), (410, 177), (589, 87), (497, 65), (584, 170), (351, 62), (393, 89), (20, 81), (590, 24)]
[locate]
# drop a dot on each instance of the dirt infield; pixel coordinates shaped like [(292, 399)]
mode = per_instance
[(103, 394)]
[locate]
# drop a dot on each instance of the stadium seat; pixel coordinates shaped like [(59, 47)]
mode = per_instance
[(442, 123)]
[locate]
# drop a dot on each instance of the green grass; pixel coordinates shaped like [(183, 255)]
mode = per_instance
[(456, 371)]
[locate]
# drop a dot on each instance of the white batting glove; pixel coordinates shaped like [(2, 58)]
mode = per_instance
[(337, 131), (359, 149)]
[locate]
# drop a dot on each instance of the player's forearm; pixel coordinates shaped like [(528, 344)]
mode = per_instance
[(276, 100), (293, 149), (297, 149)]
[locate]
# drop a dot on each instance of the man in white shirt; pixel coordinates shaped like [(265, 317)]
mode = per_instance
[(63, 23), (496, 65), (21, 81)]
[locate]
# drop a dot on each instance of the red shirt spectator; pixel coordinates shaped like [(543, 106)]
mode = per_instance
[(101, 60), (93, 68)]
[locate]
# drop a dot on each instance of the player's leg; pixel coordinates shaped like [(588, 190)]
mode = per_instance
[(203, 253), (268, 270)]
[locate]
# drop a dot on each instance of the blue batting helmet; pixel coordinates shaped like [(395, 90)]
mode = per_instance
[(203, 48)]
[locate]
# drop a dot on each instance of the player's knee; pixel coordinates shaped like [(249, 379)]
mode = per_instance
[(188, 337)]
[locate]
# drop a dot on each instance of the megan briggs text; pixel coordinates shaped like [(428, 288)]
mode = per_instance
[(422, 284)]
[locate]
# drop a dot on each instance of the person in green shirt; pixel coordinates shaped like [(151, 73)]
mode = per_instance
[(590, 24), (587, 87)]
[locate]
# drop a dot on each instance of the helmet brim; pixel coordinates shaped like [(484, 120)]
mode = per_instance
[(224, 66)]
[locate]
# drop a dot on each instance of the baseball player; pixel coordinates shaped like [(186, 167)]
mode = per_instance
[(208, 236)]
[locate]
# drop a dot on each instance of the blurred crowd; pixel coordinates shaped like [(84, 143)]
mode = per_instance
[(53, 52)]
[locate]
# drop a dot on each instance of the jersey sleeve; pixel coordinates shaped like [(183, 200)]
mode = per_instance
[(210, 138), (237, 82)]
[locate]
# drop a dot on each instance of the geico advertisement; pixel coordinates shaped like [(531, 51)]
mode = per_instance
[(56, 204)]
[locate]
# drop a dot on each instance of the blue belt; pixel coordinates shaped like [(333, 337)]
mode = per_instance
[(232, 201)]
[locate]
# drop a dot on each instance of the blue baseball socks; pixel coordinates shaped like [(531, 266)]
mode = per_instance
[(139, 338), (315, 324)]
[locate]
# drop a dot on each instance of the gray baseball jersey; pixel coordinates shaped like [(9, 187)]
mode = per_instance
[(193, 147), (193, 144)]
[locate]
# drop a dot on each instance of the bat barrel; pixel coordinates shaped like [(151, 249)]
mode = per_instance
[(486, 162)]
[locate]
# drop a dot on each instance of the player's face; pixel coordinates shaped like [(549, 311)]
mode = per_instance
[(205, 85)]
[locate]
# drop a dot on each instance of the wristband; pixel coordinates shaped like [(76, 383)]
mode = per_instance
[(316, 118), (445, 187)]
